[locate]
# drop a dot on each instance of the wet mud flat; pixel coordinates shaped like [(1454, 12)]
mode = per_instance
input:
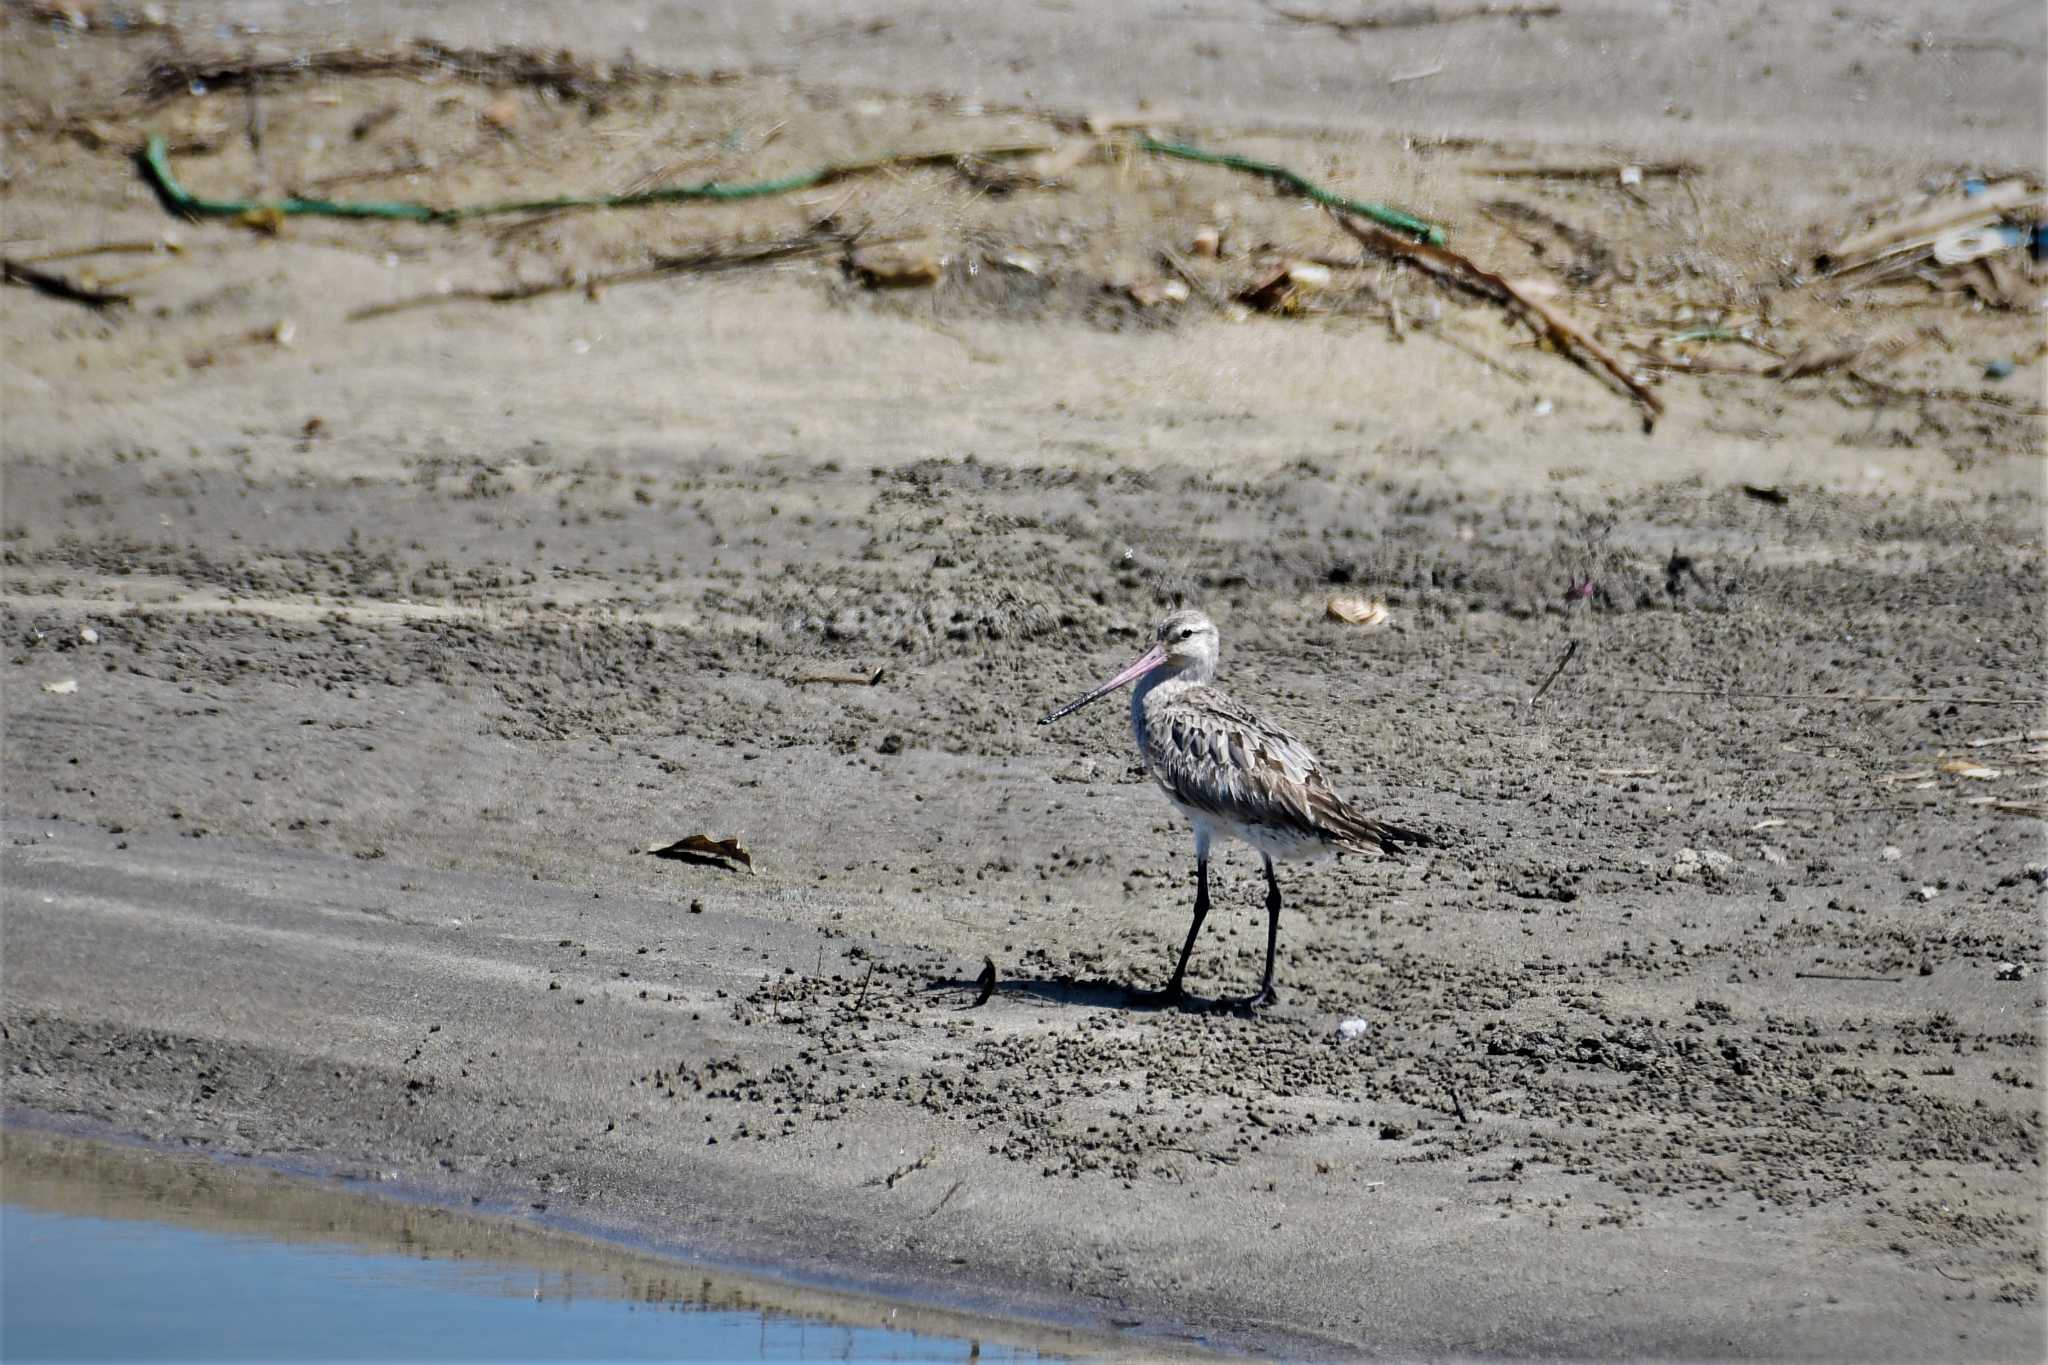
[(332, 746)]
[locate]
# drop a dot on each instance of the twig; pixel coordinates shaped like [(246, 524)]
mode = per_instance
[(1846, 976), (947, 1196), (866, 977), (2028, 737), (889, 1181), (1415, 16), (1456, 1104), (56, 286), (841, 679), (176, 74), (986, 981), (152, 247), (1451, 266), (701, 262), (1648, 170), (1569, 650)]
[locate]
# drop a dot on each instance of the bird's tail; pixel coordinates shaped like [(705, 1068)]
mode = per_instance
[(1363, 834)]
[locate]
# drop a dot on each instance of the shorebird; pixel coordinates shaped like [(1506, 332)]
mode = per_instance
[(1232, 774)]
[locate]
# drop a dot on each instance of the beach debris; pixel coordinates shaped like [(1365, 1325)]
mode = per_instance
[(898, 265), (1968, 768), (1365, 612), (1772, 494), (1287, 287), (1207, 241), (26, 276), (1975, 238), (88, 636), (705, 851), (2012, 971), (1915, 233), (175, 198), (1556, 672), (1891, 853), (1351, 1030), (1415, 16), (1546, 319), (1300, 184), (64, 688)]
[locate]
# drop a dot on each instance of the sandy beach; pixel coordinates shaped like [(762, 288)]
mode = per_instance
[(363, 633)]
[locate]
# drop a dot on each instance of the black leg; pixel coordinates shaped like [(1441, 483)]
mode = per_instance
[(1173, 987), (1265, 995)]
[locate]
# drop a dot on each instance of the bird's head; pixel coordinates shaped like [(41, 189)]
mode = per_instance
[(1185, 644)]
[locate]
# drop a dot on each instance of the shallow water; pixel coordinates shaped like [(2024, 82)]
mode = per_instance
[(117, 1253), (87, 1288)]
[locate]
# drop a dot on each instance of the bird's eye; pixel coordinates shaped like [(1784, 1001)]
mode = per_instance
[(1187, 632)]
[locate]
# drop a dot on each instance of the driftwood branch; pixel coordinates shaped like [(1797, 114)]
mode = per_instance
[(1569, 337), (57, 287)]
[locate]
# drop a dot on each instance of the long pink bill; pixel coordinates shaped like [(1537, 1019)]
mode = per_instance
[(1151, 659)]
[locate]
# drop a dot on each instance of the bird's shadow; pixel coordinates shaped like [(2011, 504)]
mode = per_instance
[(1095, 992)]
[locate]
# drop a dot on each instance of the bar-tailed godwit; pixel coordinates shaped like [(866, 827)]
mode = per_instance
[(1233, 774)]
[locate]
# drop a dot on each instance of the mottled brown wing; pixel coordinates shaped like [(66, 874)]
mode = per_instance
[(1213, 755)]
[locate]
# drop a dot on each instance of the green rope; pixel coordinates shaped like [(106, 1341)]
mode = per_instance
[(1379, 213), (156, 167)]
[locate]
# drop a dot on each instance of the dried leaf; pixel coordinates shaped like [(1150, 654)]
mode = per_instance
[(1367, 612), (1287, 287), (705, 850)]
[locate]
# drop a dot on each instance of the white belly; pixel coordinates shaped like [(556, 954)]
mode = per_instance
[(1281, 845)]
